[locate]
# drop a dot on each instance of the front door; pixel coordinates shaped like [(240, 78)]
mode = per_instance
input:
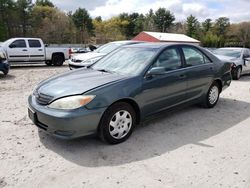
[(164, 90), (17, 51)]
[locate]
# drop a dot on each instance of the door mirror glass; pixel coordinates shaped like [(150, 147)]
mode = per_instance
[(156, 71)]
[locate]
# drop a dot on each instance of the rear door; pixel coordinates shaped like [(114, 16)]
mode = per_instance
[(17, 51), (200, 71), (36, 50), (168, 89)]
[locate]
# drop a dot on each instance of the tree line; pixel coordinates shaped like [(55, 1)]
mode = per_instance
[(23, 18)]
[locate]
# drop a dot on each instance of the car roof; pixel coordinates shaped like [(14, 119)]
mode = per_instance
[(232, 48), (126, 42), (158, 45)]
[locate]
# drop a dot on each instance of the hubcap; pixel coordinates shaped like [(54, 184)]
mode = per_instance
[(120, 124), (213, 94)]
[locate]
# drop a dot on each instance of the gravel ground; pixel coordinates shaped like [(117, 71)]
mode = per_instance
[(192, 147)]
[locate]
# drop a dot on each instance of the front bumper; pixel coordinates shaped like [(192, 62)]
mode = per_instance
[(64, 124), (77, 65), (4, 67)]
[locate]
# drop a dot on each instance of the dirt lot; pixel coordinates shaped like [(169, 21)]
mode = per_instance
[(193, 147)]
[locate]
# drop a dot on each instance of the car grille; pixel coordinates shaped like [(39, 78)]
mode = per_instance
[(42, 98), (76, 60)]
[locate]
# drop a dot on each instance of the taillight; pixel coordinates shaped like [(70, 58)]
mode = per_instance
[(70, 52)]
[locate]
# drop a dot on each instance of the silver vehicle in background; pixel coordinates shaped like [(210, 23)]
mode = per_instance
[(87, 59), (239, 57)]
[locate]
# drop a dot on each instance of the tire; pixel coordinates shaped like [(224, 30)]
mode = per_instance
[(5, 72), (49, 63), (212, 96), (57, 60), (236, 74), (117, 123)]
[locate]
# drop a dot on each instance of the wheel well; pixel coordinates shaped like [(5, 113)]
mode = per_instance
[(60, 54), (219, 82), (134, 106)]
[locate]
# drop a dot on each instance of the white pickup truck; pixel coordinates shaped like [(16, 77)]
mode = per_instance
[(33, 50)]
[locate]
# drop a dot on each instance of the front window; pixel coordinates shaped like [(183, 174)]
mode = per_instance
[(126, 61), (169, 59), (235, 53), (18, 44), (107, 48)]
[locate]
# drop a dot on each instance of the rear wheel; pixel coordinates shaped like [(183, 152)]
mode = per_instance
[(236, 74), (117, 123), (57, 60), (212, 96)]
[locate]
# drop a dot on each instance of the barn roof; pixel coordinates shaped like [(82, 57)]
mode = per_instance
[(171, 37)]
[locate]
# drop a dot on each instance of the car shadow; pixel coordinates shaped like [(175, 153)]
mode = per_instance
[(7, 77), (191, 125), (244, 78), (35, 66)]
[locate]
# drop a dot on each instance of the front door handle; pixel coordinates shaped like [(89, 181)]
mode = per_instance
[(182, 76), (40, 50), (24, 50)]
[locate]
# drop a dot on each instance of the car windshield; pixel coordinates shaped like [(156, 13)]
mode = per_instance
[(107, 48), (125, 61), (236, 53)]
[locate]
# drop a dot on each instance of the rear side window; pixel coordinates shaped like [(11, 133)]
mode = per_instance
[(170, 59), (18, 44), (194, 57), (34, 43)]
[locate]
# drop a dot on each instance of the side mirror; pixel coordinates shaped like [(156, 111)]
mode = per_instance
[(12, 46), (156, 71), (46, 45)]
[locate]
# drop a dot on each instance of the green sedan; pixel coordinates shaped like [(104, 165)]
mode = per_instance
[(125, 88)]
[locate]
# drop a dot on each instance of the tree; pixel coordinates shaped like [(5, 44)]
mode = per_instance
[(163, 19), (149, 21), (244, 33), (192, 25), (52, 25), (83, 23), (44, 3), (24, 10), (207, 25), (7, 8), (221, 26)]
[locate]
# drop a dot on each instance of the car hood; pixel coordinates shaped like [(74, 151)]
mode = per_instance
[(76, 82), (88, 56), (226, 58)]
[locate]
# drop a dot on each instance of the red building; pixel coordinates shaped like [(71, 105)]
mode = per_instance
[(165, 37)]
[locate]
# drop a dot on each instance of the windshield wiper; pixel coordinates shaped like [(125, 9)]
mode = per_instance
[(104, 70)]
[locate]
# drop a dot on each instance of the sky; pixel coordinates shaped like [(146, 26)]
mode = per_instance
[(236, 10)]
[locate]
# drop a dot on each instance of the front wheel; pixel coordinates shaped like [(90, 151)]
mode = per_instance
[(236, 74), (117, 123), (212, 96)]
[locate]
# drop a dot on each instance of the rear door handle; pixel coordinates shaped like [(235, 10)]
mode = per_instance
[(24, 50), (40, 50)]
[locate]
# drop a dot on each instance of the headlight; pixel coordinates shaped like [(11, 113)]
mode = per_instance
[(2, 56), (73, 102), (91, 61)]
